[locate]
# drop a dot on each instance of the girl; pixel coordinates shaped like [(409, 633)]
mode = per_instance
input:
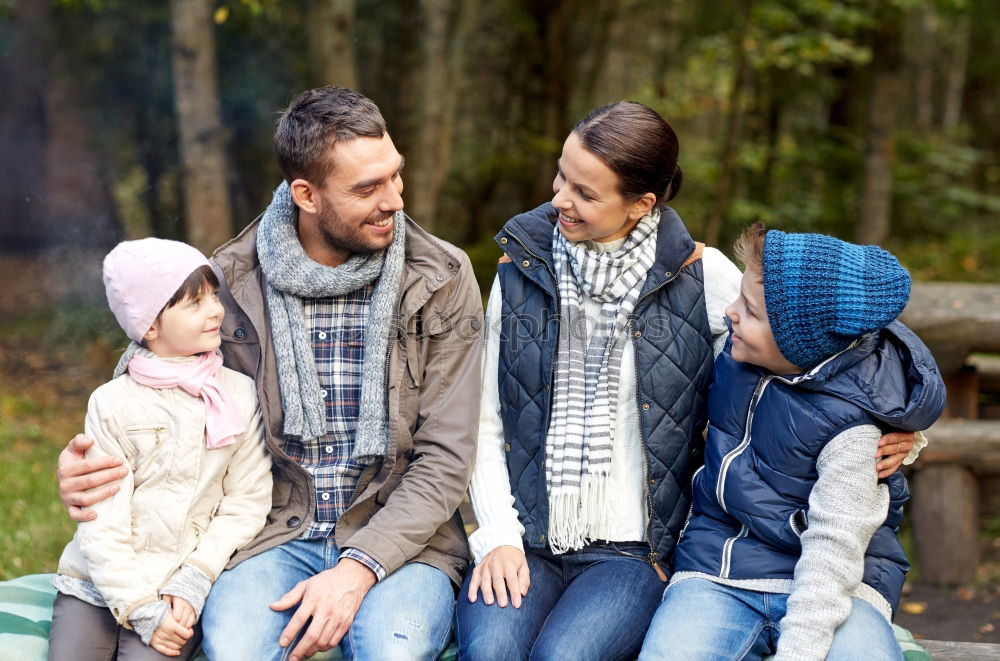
[(199, 483), (601, 325)]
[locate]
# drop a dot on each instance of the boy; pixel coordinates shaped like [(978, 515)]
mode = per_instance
[(790, 546)]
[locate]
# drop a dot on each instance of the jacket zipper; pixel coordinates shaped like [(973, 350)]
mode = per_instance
[(732, 454), (642, 434), (359, 487), (552, 371), (727, 549), (691, 506), (727, 552)]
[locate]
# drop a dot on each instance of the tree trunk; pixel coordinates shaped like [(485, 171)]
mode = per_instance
[(330, 33), (22, 126), (551, 16), (734, 122), (207, 209), (444, 24), (921, 38), (875, 207), (955, 80)]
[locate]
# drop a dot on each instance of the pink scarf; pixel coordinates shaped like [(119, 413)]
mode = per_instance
[(222, 421)]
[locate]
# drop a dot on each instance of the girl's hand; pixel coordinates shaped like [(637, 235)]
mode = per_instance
[(892, 450), (170, 637), (504, 568), (182, 611)]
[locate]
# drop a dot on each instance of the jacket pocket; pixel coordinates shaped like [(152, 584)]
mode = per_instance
[(799, 522), (147, 443)]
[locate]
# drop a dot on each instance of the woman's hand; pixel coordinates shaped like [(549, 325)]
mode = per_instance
[(892, 450), (504, 568)]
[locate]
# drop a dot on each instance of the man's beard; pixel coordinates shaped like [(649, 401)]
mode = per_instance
[(340, 236)]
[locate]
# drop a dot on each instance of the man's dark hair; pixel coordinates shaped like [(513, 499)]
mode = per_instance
[(314, 122)]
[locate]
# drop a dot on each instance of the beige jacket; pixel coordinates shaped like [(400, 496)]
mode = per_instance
[(180, 502), (405, 506)]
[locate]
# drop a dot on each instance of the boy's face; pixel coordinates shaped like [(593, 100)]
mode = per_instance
[(189, 327), (753, 341)]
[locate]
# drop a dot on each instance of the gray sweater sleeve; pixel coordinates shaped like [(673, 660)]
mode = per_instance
[(146, 619), (191, 585), (846, 507)]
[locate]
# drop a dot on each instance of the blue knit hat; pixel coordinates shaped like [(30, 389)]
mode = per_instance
[(823, 293)]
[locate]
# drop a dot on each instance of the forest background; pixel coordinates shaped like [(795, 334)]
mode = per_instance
[(873, 120)]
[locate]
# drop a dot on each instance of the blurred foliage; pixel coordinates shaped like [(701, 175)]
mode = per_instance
[(526, 71)]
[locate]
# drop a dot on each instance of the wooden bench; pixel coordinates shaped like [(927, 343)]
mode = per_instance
[(942, 650), (955, 320)]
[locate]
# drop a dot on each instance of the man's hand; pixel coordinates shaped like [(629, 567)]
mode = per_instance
[(171, 636), (77, 474), (332, 599), (504, 568), (892, 450)]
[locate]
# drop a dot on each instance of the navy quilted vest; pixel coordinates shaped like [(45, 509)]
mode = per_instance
[(751, 499), (673, 351)]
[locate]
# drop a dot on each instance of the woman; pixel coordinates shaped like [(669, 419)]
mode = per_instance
[(601, 324)]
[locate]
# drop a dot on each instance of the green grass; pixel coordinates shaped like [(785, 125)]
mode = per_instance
[(50, 361), (34, 527)]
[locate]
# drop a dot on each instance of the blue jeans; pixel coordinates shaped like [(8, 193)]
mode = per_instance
[(701, 621), (594, 603), (405, 616)]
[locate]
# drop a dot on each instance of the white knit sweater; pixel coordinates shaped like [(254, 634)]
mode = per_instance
[(490, 490)]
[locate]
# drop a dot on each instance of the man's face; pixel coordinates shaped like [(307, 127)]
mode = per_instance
[(356, 203)]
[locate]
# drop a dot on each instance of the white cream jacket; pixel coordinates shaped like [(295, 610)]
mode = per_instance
[(180, 503)]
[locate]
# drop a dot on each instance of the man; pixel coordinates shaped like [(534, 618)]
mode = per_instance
[(362, 332)]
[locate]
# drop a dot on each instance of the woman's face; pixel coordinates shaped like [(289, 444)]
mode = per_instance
[(588, 199)]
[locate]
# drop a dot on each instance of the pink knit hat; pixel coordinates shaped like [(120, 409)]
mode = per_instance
[(141, 276)]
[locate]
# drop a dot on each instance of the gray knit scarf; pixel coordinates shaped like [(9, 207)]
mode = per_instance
[(580, 438), (292, 276)]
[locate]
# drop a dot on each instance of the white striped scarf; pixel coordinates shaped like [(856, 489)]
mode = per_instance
[(580, 438)]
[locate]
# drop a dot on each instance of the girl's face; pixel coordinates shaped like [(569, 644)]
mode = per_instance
[(588, 199), (189, 327)]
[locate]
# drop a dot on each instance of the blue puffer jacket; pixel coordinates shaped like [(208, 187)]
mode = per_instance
[(672, 342), (751, 500)]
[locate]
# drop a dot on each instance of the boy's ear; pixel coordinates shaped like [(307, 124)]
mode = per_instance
[(152, 333)]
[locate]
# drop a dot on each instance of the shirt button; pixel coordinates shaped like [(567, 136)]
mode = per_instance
[(503, 241), (439, 277), (525, 263), (645, 407), (325, 496), (541, 538), (329, 449), (322, 335), (506, 447), (323, 393), (293, 522), (240, 334), (638, 333)]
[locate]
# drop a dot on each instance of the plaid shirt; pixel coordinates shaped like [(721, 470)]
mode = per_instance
[(336, 327)]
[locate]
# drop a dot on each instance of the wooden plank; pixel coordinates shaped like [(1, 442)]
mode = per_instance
[(955, 319), (963, 393), (945, 515), (971, 443), (946, 650)]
